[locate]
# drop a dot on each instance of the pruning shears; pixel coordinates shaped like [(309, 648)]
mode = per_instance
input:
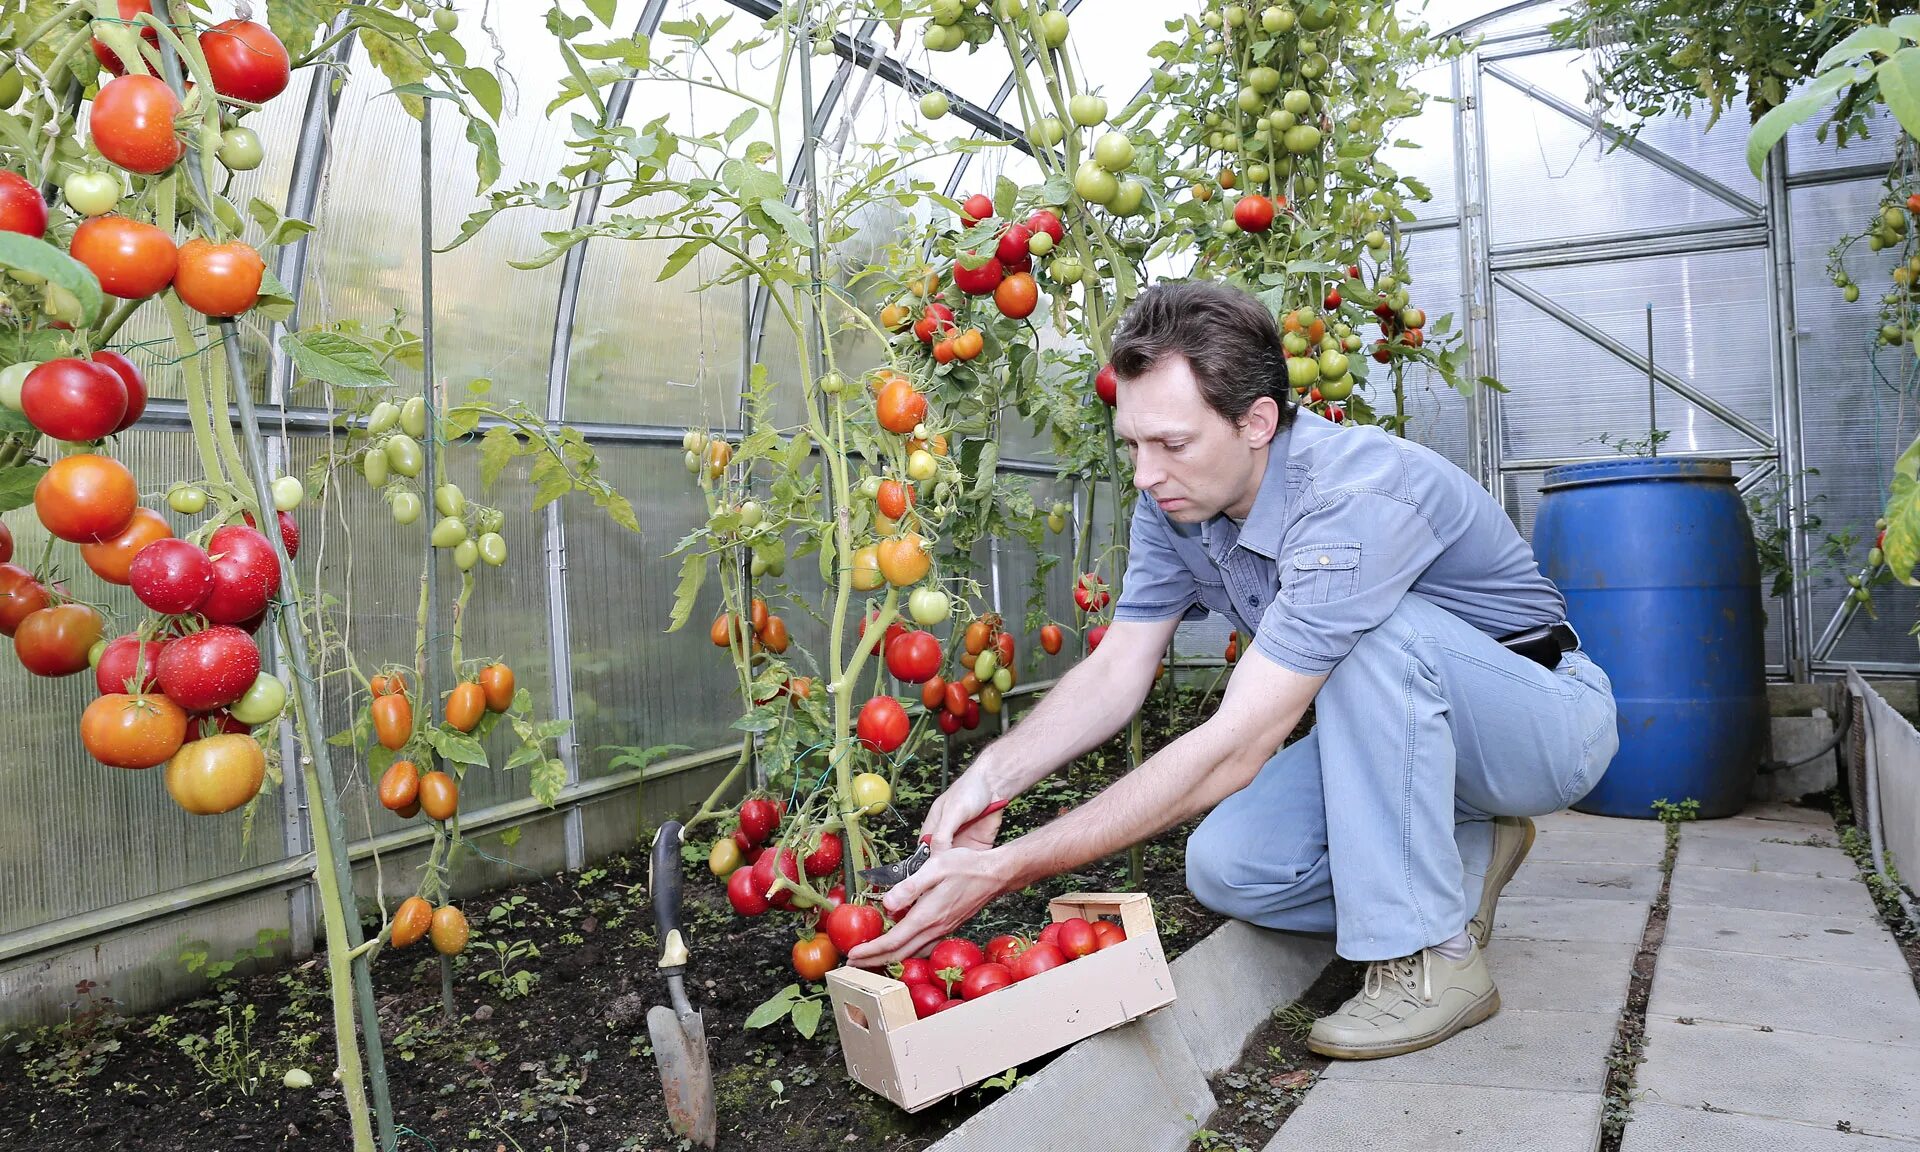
[(887, 875)]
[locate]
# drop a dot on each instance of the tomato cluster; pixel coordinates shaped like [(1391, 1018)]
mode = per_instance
[(445, 927), (957, 969)]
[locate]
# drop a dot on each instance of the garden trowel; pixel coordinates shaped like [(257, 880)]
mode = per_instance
[(679, 1035)]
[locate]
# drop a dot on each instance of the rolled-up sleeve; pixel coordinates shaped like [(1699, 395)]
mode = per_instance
[(1344, 567), (1158, 585)]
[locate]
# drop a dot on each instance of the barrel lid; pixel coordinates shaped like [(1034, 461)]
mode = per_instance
[(1636, 468)]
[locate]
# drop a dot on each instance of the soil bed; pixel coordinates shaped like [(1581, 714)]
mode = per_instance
[(550, 1050)]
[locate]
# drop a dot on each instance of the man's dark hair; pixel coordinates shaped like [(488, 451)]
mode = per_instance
[(1227, 336)]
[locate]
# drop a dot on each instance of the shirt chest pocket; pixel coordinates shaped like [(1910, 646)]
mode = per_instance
[(1214, 594), (1320, 573)]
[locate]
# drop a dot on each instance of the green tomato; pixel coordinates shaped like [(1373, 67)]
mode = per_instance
[(262, 702), (403, 453), (12, 379), (406, 507), (1050, 131), (942, 39), (1297, 101), (1277, 20), (99, 647), (1066, 270), (446, 19), (693, 462), (240, 149), (383, 417), (1095, 184), (1236, 16), (1386, 283), (11, 85), (1087, 110), (1127, 201), (945, 12), (921, 466), (1301, 138), (448, 500), (1053, 23), (1040, 243), (1257, 173), (1338, 388), (465, 555), (1377, 240), (934, 105), (1398, 299), (1302, 371), (62, 305), (777, 567), (758, 566), (1265, 80), (1003, 679), (1313, 66), (1852, 293), (1008, 9), (1250, 101), (375, 468), (1294, 343), (985, 664), (413, 417), (1332, 366), (751, 514), (288, 492), (929, 606), (451, 530), (186, 499), (833, 383), (1113, 151), (870, 487), (1212, 20), (1230, 226), (91, 193), (1056, 523)]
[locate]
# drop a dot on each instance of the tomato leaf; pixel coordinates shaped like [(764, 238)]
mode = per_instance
[(498, 447), (741, 124), (1903, 516), (398, 60), (1768, 130), (806, 1017), (333, 358), (275, 302), (296, 23), (602, 10), (510, 837), (775, 1008), (551, 480), (789, 219), (693, 573), (751, 183), (458, 747), (484, 87), (17, 483), (32, 254), (486, 160), (549, 777), (446, 46)]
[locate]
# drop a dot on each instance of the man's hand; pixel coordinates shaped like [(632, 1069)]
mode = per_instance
[(967, 815), (943, 895)]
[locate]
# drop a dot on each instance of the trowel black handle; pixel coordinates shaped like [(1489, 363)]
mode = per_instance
[(663, 888)]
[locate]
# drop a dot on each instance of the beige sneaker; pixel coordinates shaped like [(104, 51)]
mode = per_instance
[(1408, 1004), (1512, 840)]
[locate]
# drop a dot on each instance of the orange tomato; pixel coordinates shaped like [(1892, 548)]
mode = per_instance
[(1017, 296), (496, 680), (895, 317), (719, 455), (1003, 644), (924, 283), (866, 569), (977, 635), (1050, 637), (218, 279), (759, 614), (774, 635), (800, 687), (465, 706), (904, 560), (1290, 323), (385, 684), (971, 343), (448, 931), (110, 559), (133, 731), (1228, 179), (410, 922), (439, 795), (1316, 331), (943, 353), (814, 956), (392, 720), (399, 786), (933, 693), (899, 407), (721, 631)]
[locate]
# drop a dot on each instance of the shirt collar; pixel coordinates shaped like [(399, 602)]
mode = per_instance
[(1266, 522)]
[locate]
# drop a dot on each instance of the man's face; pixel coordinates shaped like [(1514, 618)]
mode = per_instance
[(1191, 460)]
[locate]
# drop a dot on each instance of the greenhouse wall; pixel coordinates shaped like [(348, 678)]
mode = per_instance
[(1555, 250)]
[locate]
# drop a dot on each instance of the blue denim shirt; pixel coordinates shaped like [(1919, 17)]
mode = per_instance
[(1347, 521)]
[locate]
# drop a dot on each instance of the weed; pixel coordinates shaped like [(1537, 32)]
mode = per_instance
[(1296, 1018), (61, 1057), (229, 1058), (198, 957)]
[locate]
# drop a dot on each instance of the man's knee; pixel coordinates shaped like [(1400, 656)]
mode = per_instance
[(1244, 880)]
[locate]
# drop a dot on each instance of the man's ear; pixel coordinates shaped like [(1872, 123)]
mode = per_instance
[(1261, 422)]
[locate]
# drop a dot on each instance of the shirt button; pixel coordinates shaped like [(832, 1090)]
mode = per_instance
[(1323, 560)]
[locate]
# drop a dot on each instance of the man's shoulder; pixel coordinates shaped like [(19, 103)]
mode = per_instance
[(1331, 461)]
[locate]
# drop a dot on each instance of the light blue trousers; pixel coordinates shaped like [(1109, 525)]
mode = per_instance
[(1378, 824)]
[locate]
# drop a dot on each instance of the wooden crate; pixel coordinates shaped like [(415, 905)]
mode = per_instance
[(915, 1063)]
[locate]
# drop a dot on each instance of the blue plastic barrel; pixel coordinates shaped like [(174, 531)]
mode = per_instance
[(1657, 562)]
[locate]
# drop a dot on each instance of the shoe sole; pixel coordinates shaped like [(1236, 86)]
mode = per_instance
[(1480, 1010), (1497, 882)]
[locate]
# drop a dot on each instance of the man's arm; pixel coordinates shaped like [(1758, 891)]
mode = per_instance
[(1083, 711), (1262, 704)]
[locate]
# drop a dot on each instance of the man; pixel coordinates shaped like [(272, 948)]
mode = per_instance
[(1377, 580)]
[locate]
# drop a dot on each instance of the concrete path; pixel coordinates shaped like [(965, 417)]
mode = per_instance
[(1761, 935)]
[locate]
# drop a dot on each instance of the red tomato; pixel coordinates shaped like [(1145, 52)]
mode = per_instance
[(975, 208), (130, 376), (1333, 299), (894, 631), (129, 10), (927, 999), (1003, 644), (1050, 934), (944, 352), (171, 576), (978, 281), (817, 915), (1106, 934), (132, 124), (1254, 213), (1090, 593), (86, 498), (211, 669), (763, 876), (852, 925), (745, 898), (1013, 243), (947, 1005), (289, 534), (915, 657), (937, 319), (949, 723), (1037, 959), (1003, 949), (218, 279), (956, 952), (246, 575), (117, 665), (54, 641), (22, 208), (917, 970), (972, 719), (745, 845), (247, 61), (826, 857), (758, 818), (20, 596), (112, 559), (894, 499), (1076, 938), (883, 725), (983, 979), (899, 407), (1095, 635), (1106, 383), (1045, 220), (71, 399), (1050, 637), (133, 260)]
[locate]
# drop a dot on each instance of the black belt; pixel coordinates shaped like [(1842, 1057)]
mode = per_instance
[(1544, 645)]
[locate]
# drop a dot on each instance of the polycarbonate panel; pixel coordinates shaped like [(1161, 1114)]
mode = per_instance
[(57, 804), (1438, 414), (633, 683), (1550, 177), (1855, 419), (1022, 587), (1432, 161), (1807, 152), (1567, 392), (1719, 152), (1109, 51), (1535, 17)]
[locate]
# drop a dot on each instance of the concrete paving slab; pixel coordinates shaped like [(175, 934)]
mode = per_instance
[(1232, 981), (1555, 1051), (1662, 1128), (1352, 1117), (1547, 918), (1575, 846), (1763, 856), (1802, 995), (1835, 939), (1821, 1080), (1562, 976), (1573, 821), (1780, 812), (1769, 892), (1136, 1086), (1586, 881)]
